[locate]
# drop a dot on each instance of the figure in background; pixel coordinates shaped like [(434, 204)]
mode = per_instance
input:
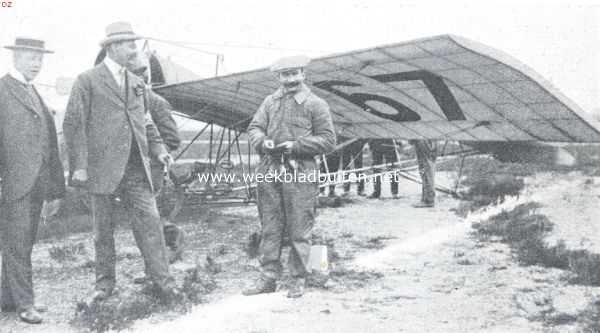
[(426, 151), (352, 154), (383, 149), (330, 164)]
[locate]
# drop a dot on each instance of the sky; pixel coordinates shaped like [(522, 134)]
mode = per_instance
[(558, 39)]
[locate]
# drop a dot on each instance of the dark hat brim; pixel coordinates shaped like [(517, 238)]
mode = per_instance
[(29, 48), (119, 38)]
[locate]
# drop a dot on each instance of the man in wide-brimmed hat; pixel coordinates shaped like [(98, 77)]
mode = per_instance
[(111, 138), (31, 172)]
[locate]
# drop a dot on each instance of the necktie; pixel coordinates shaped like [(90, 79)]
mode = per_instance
[(122, 76), (30, 91), (126, 83)]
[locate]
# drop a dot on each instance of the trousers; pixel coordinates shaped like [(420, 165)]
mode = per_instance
[(390, 157), (286, 207), (137, 197), (19, 221), (426, 151)]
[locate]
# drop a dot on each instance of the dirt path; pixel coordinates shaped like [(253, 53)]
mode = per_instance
[(406, 270), (435, 279)]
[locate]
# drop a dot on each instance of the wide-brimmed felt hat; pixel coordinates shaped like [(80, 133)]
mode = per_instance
[(31, 44), (119, 32)]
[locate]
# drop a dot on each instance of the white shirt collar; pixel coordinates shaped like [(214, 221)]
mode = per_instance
[(115, 69), (18, 76)]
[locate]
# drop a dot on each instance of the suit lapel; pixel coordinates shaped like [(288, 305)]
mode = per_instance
[(20, 94), (45, 108), (110, 82)]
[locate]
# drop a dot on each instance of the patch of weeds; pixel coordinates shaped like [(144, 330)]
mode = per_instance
[(89, 264), (559, 319), (590, 318), (317, 280), (586, 266), (493, 188), (508, 224), (465, 262), (353, 278), (373, 244), (329, 202), (381, 238), (116, 312), (219, 250), (524, 230), (376, 242), (197, 283), (487, 181), (67, 252), (212, 266)]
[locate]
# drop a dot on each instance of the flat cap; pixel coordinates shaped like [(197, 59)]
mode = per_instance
[(286, 63)]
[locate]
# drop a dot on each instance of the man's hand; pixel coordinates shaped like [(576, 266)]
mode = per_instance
[(287, 147), (50, 208), (80, 178), (268, 145), (166, 159), (139, 89)]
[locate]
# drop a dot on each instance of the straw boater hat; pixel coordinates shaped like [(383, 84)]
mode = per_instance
[(25, 43), (119, 32), (288, 63)]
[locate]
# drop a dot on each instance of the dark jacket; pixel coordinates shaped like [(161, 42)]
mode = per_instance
[(21, 146), (99, 125), (308, 122), (160, 110)]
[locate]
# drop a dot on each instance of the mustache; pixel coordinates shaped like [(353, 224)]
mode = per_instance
[(291, 84)]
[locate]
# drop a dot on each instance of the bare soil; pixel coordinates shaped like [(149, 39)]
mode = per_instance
[(395, 269)]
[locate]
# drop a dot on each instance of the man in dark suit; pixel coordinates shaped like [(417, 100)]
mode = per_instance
[(330, 164), (353, 154), (111, 139), (31, 172), (380, 149), (160, 111), (426, 151), (349, 152)]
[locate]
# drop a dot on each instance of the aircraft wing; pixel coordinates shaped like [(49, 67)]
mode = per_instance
[(443, 87)]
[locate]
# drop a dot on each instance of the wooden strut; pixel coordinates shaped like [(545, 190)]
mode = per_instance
[(341, 176), (402, 171), (191, 142)]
